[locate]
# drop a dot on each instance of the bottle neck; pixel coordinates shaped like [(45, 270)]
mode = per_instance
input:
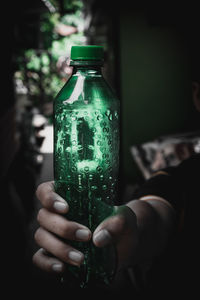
[(87, 70), (86, 65)]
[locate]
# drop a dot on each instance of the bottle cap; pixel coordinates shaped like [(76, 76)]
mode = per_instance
[(91, 52)]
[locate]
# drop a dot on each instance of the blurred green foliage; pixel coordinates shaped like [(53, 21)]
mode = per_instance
[(38, 68)]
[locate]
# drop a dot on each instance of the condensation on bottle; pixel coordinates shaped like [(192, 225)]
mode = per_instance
[(86, 157)]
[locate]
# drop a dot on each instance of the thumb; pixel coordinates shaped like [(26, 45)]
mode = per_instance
[(112, 228)]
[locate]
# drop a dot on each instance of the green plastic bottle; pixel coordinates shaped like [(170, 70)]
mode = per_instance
[(86, 157)]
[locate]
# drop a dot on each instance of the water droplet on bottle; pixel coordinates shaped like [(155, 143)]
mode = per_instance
[(80, 147), (80, 188), (74, 169), (99, 117), (107, 112), (101, 177), (73, 117), (99, 169), (110, 117), (86, 169), (116, 114), (93, 187)]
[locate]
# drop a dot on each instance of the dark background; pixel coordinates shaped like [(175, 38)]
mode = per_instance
[(152, 57)]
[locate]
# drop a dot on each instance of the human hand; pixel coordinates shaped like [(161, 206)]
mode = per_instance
[(54, 229), (120, 229)]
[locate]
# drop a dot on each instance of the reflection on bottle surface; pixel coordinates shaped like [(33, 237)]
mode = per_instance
[(86, 170), (86, 163)]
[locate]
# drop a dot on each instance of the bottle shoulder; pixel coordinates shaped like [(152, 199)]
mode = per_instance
[(85, 90)]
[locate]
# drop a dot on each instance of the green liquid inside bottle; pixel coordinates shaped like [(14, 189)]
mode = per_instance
[(86, 158)]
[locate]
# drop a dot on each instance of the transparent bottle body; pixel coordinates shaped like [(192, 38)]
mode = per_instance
[(86, 163)]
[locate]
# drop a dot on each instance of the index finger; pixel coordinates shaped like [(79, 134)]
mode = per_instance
[(50, 199)]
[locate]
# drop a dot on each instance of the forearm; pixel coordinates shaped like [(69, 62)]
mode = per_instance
[(155, 220)]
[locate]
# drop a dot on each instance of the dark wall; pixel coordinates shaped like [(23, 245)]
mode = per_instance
[(159, 59)]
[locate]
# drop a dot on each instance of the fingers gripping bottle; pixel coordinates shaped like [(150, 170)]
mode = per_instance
[(86, 156)]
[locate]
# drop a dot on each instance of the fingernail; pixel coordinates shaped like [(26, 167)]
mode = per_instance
[(82, 234), (57, 267), (76, 257), (102, 238), (60, 206)]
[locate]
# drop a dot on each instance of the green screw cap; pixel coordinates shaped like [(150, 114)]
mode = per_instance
[(87, 52)]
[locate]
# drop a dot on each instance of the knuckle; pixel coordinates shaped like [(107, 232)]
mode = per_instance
[(40, 215), (47, 198), (44, 194), (38, 190), (63, 250), (120, 223), (35, 258), (37, 235), (64, 230), (60, 252)]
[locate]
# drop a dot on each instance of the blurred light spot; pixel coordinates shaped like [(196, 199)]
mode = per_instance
[(47, 146)]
